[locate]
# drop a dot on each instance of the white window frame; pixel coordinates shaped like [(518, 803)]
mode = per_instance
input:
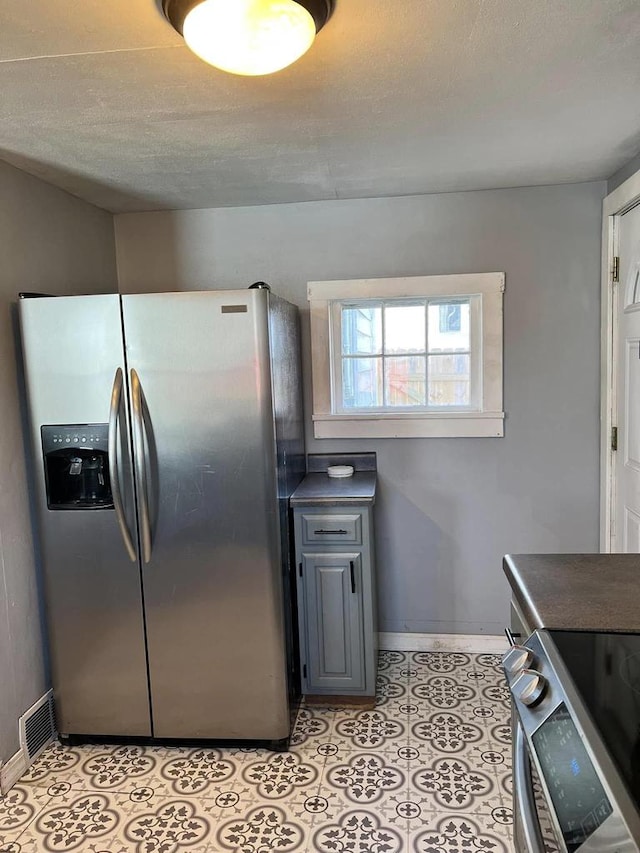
[(482, 420)]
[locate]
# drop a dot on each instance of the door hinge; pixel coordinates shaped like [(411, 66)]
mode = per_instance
[(614, 438), (615, 272), (304, 670), (300, 569)]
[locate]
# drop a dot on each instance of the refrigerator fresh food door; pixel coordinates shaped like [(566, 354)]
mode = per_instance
[(74, 366), (206, 481)]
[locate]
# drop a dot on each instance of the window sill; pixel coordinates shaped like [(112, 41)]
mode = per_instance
[(437, 425)]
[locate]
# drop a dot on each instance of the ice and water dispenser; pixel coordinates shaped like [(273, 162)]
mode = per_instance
[(76, 465)]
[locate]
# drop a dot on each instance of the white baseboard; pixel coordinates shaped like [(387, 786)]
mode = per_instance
[(481, 643), (11, 771)]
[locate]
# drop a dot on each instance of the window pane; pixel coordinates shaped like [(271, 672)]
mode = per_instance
[(405, 381), (361, 383), (449, 326), (404, 328), (449, 381), (450, 318), (362, 330)]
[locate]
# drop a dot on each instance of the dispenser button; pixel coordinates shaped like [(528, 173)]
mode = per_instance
[(68, 440)]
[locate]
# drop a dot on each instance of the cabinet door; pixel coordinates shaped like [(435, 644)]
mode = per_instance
[(333, 610)]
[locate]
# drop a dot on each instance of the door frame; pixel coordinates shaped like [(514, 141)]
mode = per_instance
[(618, 202)]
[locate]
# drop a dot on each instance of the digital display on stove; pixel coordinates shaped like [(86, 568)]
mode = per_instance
[(578, 798), (605, 668)]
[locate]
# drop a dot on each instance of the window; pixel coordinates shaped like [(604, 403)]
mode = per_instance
[(395, 354), (407, 357)]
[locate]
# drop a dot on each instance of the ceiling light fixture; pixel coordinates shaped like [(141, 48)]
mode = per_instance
[(249, 37)]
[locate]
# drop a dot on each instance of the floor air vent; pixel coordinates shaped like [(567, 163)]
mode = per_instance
[(37, 728)]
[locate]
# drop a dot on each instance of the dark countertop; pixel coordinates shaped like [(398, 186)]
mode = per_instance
[(328, 491), (577, 592)]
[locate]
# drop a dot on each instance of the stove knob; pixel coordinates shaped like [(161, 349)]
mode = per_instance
[(517, 658), (530, 687)]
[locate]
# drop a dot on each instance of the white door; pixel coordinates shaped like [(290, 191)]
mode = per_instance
[(626, 497)]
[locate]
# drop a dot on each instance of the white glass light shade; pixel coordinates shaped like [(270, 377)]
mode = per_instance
[(249, 37)]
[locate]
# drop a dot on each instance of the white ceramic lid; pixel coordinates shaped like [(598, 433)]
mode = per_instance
[(340, 470)]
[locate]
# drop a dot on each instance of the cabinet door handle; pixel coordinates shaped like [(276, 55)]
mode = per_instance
[(353, 576), (330, 532)]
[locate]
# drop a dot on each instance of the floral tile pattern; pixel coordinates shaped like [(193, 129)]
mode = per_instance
[(358, 830), (428, 770), (279, 775), (18, 810), (172, 826), (459, 833), (197, 770), (453, 783), (311, 727), (366, 778), (262, 829), (110, 770), (87, 818)]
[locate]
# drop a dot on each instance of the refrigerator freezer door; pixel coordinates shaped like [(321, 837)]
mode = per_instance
[(72, 351), (213, 580)]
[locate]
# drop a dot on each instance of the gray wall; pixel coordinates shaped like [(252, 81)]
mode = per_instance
[(625, 172), (448, 508), (54, 243)]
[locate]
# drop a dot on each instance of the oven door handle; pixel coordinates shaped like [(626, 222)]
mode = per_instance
[(524, 799)]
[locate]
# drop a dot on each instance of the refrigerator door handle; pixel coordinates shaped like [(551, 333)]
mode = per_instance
[(140, 465), (524, 798), (114, 417)]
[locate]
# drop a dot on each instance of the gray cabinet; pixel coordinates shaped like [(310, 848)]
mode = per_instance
[(336, 600)]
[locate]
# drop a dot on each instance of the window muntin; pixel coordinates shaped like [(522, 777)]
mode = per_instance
[(394, 355)]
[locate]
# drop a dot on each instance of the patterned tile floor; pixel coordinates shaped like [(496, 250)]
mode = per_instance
[(427, 771)]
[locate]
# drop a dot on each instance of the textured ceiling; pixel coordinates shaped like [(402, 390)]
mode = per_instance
[(102, 98)]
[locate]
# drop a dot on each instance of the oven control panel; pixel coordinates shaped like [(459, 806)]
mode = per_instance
[(578, 796), (576, 774)]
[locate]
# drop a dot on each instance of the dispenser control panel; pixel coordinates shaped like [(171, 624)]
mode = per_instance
[(86, 436), (76, 466)]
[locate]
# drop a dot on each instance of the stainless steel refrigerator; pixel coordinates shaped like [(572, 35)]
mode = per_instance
[(167, 437)]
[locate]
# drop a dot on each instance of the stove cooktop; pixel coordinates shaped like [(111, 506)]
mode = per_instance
[(605, 669)]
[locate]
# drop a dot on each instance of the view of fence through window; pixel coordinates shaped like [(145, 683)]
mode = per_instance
[(410, 354)]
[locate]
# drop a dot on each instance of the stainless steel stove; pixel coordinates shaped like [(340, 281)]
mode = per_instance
[(576, 700)]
